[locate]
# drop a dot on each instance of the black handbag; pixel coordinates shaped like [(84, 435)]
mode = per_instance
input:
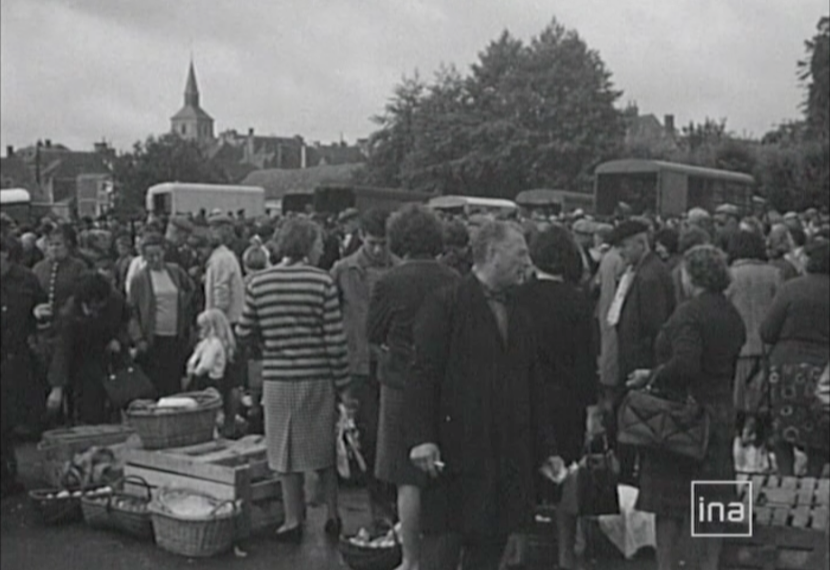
[(126, 383), (670, 423), (597, 492)]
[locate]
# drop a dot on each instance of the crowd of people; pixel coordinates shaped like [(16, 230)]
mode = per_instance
[(469, 350)]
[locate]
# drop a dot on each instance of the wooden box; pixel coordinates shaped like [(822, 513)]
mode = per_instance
[(225, 469), (790, 526)]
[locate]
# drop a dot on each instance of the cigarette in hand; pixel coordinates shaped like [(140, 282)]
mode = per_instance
[(439, 464)]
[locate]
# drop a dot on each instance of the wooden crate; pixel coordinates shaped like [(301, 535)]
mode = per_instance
[(225, 469), (790, 526), (57, 447)]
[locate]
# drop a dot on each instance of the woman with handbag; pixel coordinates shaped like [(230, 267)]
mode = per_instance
[(91, 328), (161, 296), (699, 347), (797, 327)]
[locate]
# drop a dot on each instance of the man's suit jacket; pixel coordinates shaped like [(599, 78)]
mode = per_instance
[(483, 402), (648, 305)]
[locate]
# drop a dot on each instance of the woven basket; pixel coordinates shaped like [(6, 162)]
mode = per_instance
[(176, 427), (366, 558), (120, 511), (197, 538), (55, 510)]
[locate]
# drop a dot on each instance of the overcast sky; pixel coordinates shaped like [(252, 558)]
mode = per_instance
[(77, 71)]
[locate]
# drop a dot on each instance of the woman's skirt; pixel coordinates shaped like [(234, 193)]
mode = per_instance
[(300, 420), (796, 414), (392, 463)]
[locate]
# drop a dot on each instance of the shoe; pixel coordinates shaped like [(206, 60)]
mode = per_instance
[(293, 535), (334, 527)]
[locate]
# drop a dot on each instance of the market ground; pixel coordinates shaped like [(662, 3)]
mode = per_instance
[(27, 545)]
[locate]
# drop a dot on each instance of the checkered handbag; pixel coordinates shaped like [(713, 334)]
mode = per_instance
[(654, 420)]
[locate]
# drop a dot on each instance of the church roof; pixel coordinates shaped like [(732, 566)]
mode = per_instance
[(191, 112)]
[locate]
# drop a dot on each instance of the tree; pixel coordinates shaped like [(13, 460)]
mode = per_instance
[(814, 71), (540, 114), (168, 158)]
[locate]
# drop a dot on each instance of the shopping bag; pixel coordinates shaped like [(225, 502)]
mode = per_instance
[(126, 383)]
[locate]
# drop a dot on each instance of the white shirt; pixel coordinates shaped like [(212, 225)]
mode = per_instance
[(136, 264), (208, 358), (615, 310)]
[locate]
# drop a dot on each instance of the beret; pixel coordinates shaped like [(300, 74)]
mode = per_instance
[(625, 230)]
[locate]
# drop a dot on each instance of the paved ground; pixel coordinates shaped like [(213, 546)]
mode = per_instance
[(27, 545)]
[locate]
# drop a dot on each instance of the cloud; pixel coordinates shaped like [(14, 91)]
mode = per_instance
[(78, 70)]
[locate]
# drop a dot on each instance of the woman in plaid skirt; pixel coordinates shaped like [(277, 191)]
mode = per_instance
[(294, 310)]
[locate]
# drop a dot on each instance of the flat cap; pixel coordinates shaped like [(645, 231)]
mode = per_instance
[(217, 219), (584, 226), (728, 209), (625, 230), (348, 214), (698, 214), (182, 223)]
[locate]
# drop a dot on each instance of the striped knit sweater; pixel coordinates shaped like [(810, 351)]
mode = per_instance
[(295, 311)]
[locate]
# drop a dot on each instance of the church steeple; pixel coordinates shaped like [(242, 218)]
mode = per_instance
[(192, 122), (191, 90)]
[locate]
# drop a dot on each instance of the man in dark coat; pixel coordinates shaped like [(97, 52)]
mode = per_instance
[(477, 411), (643, 302), (20, 293)]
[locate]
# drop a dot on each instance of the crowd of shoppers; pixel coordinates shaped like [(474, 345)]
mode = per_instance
[(469, 350)]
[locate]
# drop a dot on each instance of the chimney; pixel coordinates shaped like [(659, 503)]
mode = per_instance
[(48, 143), (668, 123), (9, 151), (251, 132), (303, 156)]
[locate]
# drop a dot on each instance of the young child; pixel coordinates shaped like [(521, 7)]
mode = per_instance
[(206, 366), (254, 260)]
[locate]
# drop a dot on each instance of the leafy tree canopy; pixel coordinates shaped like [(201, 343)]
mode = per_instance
[(526, 115)]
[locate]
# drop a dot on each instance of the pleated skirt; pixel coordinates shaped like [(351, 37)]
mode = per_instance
[(300, 419)]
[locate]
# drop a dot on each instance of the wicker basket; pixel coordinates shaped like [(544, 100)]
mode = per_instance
[(176, 427), (193, 537), (366, 558), (54, 510), (120, 511)]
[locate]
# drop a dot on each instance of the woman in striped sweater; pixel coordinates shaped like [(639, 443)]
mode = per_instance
[(294, 310)]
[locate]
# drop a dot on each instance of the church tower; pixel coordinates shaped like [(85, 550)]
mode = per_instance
[(192, 122)]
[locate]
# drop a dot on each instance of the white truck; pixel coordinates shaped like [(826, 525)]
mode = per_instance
[(184, 198)]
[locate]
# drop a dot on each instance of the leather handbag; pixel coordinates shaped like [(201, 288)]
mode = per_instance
[(127, 383), (654, 420)]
